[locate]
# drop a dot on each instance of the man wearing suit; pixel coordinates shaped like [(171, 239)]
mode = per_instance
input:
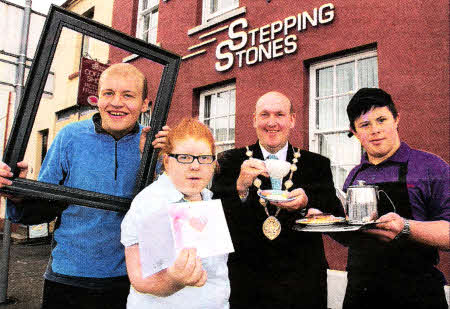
[(269, 270)]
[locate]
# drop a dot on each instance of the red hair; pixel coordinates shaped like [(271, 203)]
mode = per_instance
[(189, 128)]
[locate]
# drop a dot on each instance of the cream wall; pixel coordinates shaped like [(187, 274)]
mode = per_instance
[(66, 65)]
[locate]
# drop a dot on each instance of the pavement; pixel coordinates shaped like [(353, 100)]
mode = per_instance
[(28, 260)]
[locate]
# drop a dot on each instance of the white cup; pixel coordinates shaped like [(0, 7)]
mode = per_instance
[(277, 168)]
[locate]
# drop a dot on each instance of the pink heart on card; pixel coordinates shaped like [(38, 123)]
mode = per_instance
[(198, 223)]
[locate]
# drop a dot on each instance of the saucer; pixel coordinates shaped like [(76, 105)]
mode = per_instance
[(275, 195)]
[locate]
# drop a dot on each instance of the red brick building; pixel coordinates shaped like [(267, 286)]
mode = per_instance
[(318, 53)]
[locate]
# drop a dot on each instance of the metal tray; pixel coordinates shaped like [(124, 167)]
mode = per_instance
[(331, 228)]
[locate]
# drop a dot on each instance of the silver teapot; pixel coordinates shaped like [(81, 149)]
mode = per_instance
[(361, 203)]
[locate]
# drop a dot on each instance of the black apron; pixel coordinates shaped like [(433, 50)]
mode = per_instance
[(397, 274)]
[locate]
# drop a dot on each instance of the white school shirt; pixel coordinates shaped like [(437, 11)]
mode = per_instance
[(216, 291)]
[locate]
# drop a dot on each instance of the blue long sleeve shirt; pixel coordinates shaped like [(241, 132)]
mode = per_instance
[(87, 241)]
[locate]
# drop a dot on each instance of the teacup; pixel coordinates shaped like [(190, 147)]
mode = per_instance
[(277, 169)]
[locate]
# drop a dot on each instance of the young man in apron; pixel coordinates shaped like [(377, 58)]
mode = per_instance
[(393, 264)]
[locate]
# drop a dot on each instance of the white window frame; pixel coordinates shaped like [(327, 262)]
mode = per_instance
[(314, 132), (86, 44), (207, 16), (151, 10), (229, 143)]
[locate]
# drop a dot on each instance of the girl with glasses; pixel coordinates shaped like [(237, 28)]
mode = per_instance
[(190, 282)]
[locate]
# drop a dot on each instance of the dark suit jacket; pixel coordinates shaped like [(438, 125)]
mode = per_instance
[(291, 267)]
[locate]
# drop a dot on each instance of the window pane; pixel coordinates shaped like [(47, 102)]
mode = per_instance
[(221, 129), (348, 149), (213, 6), (223, 99), (50, 84), (212, 126), (207, 109), (341, 115), (225, 4), (154, 19), (344, 77), (343, 152), (325, 149), (324, 111), (213, 106), (338, 147), (145, 36), (231, 130), (146, 4), (368, 72), (326, 146), (146, 22), (153, 27), (324, 82), (151, 36), (341, 173), (233, 102)]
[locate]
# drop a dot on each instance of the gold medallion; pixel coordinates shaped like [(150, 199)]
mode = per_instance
[(271, 227)]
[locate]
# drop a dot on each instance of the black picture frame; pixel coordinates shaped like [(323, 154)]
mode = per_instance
[(56, 21)]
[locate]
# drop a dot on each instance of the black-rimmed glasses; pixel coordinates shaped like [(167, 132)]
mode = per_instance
[(188, 159)]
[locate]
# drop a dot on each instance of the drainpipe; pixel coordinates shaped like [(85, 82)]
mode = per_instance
[(20, 73)]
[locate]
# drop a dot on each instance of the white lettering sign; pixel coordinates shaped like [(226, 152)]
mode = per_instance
[(268, 41)]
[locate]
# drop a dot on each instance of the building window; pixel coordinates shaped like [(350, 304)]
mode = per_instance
[(218, 110), (332, 84), (214, 8), (44, 143), (85, 40), (148, 20)]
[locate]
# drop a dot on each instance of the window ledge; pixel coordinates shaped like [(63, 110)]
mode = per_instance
[(130, 58), (217, 20)]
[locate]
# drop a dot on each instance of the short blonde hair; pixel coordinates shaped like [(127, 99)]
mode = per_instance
[(125, 68)]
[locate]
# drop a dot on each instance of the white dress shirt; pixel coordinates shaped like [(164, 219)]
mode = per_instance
[(281, 154)]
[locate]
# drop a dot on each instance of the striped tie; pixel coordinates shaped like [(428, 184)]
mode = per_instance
[(276, 183)]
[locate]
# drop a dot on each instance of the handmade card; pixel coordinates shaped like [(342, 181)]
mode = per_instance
[(156, 248), (200, 225)]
